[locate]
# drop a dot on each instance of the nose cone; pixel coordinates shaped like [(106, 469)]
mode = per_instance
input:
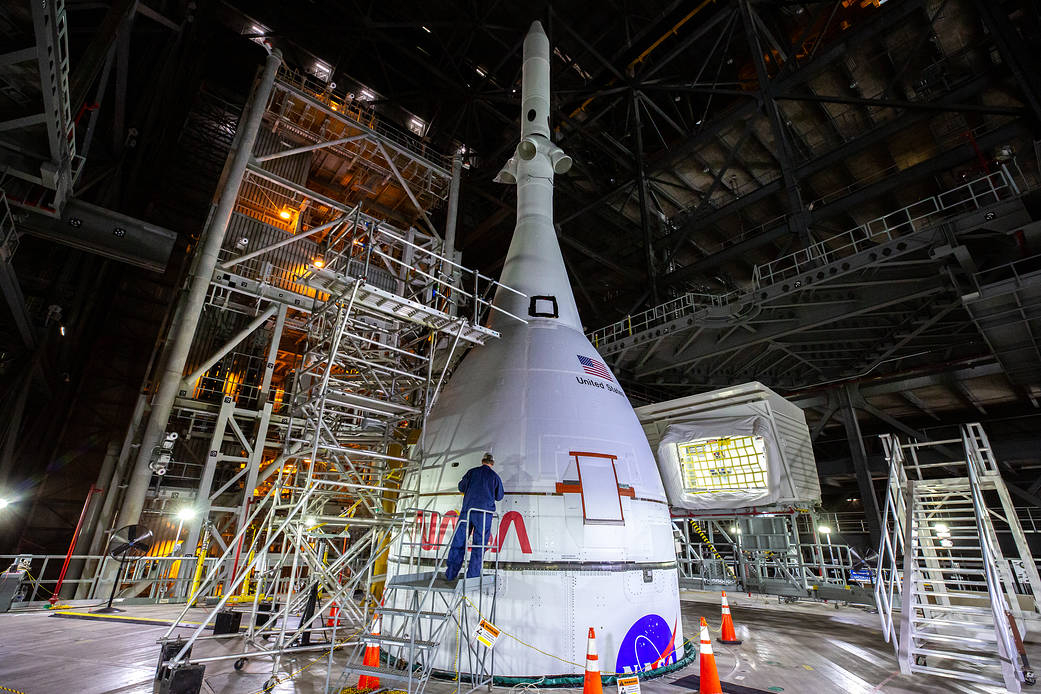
[(535, 83)]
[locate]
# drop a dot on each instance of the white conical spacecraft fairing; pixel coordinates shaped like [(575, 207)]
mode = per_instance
[(584, 537)]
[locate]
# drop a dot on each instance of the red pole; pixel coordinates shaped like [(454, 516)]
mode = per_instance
[(72, 544), (238, 548)]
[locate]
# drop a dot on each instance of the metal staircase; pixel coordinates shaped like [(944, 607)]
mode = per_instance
[(421, 609), (941, 565)]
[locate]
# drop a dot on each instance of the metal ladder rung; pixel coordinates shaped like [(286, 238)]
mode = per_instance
[(952, 638), (941, 594), (389, 673), (956, 655), (947, 622), (959, 582), (398, 640), (963, 609), (957, 674), (411, 613)]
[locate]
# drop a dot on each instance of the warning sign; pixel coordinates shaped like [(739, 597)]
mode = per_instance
[(628, 685), (486, 633)]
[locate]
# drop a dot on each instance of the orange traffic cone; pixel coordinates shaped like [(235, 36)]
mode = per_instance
[(709, 676), (371, 659), (333, 616), (728, 637), (592, 683)]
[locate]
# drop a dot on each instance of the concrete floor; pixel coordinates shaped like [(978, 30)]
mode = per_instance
[(802, 648)]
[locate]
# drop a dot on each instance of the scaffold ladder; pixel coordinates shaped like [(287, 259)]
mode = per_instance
[(941, 565)]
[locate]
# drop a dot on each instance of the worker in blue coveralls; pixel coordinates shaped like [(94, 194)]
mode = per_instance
[(481, 488)]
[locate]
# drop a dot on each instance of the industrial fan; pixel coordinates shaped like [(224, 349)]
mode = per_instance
[(125, 545)]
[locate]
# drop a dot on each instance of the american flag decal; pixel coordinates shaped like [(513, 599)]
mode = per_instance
[(594, 367)]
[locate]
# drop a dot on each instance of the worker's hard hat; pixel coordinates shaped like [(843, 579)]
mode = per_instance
[(488, 457)]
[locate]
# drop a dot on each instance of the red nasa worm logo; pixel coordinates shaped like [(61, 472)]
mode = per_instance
[(433, 528)]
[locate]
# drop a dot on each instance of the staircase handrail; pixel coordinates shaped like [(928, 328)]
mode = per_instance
[(891, 543), (1008, 651)]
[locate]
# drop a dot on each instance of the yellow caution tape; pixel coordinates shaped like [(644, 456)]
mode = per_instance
[(712, 548)]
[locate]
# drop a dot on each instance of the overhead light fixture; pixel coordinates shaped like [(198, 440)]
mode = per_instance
[(824, 529), (186, 513), (318, 262), (62, 329), (285, 213), (946, 543), (427, 30), (4, 503), (480, 71), (310, 521)]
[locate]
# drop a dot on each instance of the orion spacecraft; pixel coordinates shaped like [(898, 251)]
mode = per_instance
[(583, 536)]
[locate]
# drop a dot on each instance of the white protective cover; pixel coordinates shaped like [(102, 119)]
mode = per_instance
[(566, 560), (747, 408), (672, 473)]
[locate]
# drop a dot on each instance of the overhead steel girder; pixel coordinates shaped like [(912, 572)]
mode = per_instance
[(1020, 57), (15, 301), (910, 105), (803, 171), (873, 298), (104, 232), (900, 384), (44, 156), (890, 16), (943, 161)]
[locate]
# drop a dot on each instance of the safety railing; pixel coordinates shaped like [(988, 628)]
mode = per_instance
[(150, 578), (921, 214), (358, 246), (891, 543), (1018, 271), (840, 522), (675, 309), (362, 114), (1008, 651), (925, 213)]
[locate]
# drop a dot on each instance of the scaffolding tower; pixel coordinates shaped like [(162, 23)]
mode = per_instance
[(309, 559)]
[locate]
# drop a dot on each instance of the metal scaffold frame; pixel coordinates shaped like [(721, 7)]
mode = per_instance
[(960, 601), (786, 553), (316, 543)]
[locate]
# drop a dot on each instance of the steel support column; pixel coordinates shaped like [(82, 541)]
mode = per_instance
[(860, 463), (451, 221), (213, 457), (641, 189), (183, 328), (1020, 56), (797, 220)]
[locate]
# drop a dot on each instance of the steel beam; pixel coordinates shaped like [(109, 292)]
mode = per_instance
[(186, 318), (860, 464), (233, 342), (641, 189), (1018, 55)]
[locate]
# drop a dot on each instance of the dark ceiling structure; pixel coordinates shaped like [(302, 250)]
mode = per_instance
[(835, 198)]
